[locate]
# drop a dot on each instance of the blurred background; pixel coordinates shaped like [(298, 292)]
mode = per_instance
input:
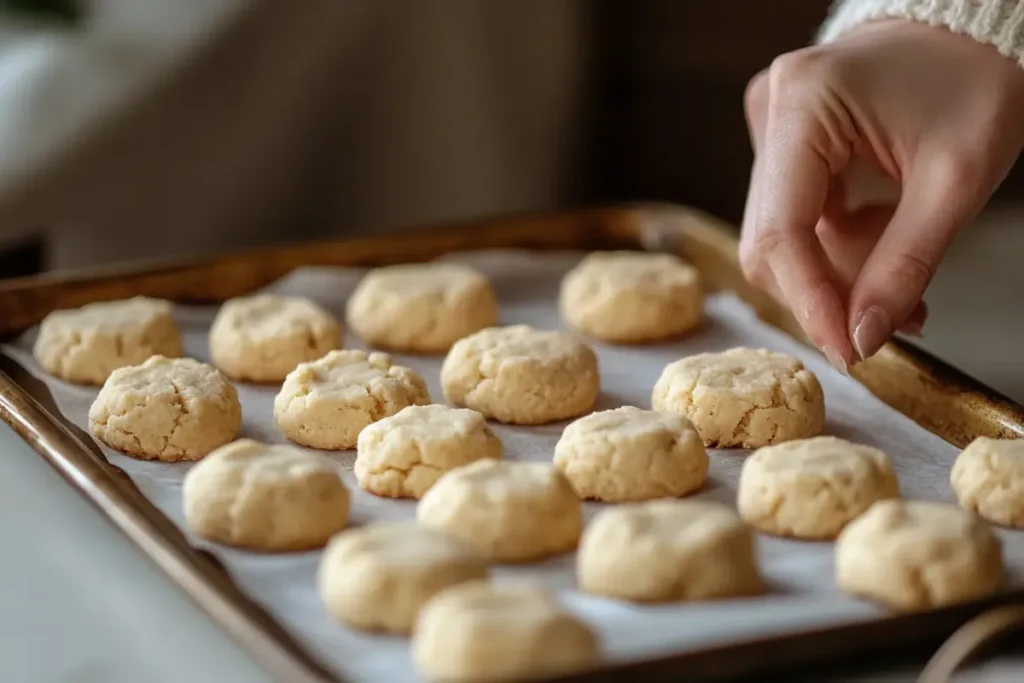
[(136, 129)]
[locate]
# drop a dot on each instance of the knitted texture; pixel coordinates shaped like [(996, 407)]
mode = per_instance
[(999, 23)]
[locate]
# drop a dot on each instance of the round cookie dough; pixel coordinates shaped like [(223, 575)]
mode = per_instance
[(742, 397), (511, 511), (912, 555), (378, 577), (629, 454), (631, 297), (483, 633), (264, 337), (402, 456), (812, 488), (84, 345), (266, 497), (421, 308), (988, 478), (522, 375), (166, 409), (668, 551), (326, 403)]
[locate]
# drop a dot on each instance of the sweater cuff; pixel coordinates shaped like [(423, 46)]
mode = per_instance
[(999, 23)]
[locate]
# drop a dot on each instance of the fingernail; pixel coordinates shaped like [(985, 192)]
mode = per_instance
[(871, 329), (835, 359)]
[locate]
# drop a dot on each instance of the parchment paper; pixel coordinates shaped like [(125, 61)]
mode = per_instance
[(803, 594)]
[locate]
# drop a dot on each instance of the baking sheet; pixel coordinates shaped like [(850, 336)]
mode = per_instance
[(802, 595)]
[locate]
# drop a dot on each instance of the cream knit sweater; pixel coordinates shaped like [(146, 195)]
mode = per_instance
[(995, 22)]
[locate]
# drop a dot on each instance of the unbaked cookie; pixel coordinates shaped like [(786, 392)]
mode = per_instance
[(914, 555), (264, 337), (512, 511), (421, 308), (988, 478), (812, 488), (482, 632), (266, 497), (522, 375), (629, 454), (743, 397), (668, 551), (630, 296), (84, 345), (166, 409), (378, 577), (402, 456), (326, 403)]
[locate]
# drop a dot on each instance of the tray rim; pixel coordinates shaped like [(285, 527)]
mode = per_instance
[(656, 227)]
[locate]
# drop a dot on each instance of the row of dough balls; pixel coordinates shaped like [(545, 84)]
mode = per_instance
[(419, 308)]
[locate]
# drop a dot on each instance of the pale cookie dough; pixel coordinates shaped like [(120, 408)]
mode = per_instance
[(326, 403), (629, 454), (522, 375), (512, 511), (486, 633), (812, 488), (421, 308), (668, 551), (166, 409), (402, 456), (378, 577), (631, 297), (988, 478), (266, 497), (84, 345), (914, 555), (264, 337), (742, 397)]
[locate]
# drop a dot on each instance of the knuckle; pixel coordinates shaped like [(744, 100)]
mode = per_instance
[(913, 272), (958, 171), (755, 255), (755, 97), (792, 73)]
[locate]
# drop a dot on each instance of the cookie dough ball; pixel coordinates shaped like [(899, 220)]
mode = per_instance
[(483, 633), (378, 577), (84, 345), (166, 409), (421, 308), (264, 337), (988, 478), (266, 497), (327, 402), (402, 456), (522, 375), (744, 398), (630, 297), (511, 511), (668, 551), (914, 555), (629, 454), (812, 488)]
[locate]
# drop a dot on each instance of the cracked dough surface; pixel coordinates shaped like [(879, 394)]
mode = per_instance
[(512, 511), (630, 297), (743, 397), (266, 497), (166, 409), (668, 551), (264, 337), (84, 345), (378, 577), (484, 633), (402, 456), (629, 454), (421, 308), (913, 555), (521, 375), (988, 478), (812, 488), (326, 403)]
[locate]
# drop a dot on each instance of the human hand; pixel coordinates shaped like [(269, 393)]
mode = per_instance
[(939, 114)]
